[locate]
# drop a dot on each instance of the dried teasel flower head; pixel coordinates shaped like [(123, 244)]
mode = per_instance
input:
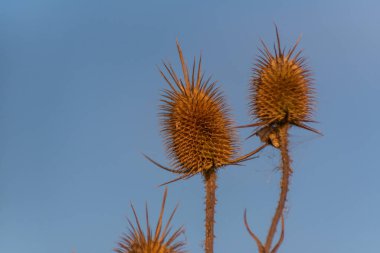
[(195, 121), (196, 124), (281, 91), (159, 241)]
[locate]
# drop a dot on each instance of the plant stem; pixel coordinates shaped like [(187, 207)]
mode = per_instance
[(286, 173), (210, 187)]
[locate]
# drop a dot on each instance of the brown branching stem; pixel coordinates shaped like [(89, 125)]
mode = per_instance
[(259, 244), (282, 236), (286, 173), (210, 187)]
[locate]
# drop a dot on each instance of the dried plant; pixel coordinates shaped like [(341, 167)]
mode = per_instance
[(195, 122), (159, 241), (199, 133), (281, 91), (281, 97)]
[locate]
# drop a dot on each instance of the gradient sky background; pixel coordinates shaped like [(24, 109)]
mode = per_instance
[(79, 96)]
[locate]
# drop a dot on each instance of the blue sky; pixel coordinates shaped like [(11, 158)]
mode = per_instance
[(79, 96)]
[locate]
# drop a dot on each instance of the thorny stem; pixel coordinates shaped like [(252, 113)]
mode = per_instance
[(286, 173), (210, 187)]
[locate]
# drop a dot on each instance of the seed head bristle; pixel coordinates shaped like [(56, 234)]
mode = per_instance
[(195, 121), (159, 241), (281, 91)]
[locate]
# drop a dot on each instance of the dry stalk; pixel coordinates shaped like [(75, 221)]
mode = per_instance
[(286, 173), (210, 187)]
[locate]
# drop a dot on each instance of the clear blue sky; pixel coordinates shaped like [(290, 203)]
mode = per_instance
[(79, 96)]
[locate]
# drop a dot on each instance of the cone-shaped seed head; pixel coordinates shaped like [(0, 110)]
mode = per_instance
[(196, 124), (159, 241), (280, 88)]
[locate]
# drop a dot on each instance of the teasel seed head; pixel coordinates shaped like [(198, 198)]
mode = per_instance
[(159, 241), (281, 91), (196, 124)]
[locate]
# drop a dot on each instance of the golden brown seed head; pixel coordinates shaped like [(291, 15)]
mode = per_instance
[(149, 247), (158, 241), (196, 124), (280, 88)]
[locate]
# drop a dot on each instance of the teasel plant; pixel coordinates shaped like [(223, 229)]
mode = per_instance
[(161, 240), (281, 96), (199, 134)]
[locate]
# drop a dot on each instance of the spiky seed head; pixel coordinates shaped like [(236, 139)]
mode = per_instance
[(158, 241), (281, 89), (195, 121)]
